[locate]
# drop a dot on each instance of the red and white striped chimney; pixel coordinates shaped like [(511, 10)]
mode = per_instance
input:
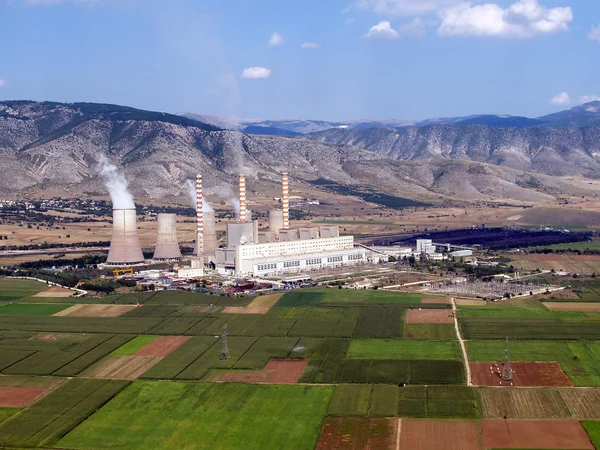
[(285, 200), (199, 219), (242, 198)]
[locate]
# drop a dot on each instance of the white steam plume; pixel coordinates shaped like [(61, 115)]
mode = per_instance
[(116, 184), (191, 188)]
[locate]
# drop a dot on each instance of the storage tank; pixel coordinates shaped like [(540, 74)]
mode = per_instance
[(125, 246), (167, 244)]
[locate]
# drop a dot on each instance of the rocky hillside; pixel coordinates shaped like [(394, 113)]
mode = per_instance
[(52, 145), (548, 150)]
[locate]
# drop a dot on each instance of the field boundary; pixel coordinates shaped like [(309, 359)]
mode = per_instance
[(461, 342)]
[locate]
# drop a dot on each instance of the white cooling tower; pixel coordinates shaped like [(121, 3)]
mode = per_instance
[(275, 221), (167, 245), (210, 236), (125, 246)]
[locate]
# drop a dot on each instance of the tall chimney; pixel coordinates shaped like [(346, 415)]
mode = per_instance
[(242, 198), (199, 222), (285, 200)]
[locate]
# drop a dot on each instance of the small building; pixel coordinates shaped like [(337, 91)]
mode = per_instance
[(461, 253)]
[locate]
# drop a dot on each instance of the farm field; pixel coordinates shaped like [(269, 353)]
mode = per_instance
[(21, 309), (579, 360), (358, 434), (567, 262), (523, 374), (425, 434), (573, 306), (13, 289), (403, 349), (429, 331), (176, 414)]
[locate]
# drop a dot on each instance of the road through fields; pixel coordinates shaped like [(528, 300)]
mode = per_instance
[(462, 344)]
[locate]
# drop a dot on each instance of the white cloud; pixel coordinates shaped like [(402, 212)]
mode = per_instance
[(413, 29), (311, 45), (276, 39), (589, 98), (349, 20), (594, 33), (525, 18), (256, 73), (2, 82), (561, 99), (383, 30), (397, 8)]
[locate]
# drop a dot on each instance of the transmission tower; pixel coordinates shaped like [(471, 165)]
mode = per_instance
[(225, 351), (507, 373)]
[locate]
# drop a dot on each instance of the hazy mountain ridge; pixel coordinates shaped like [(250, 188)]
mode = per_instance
[(49, 145)]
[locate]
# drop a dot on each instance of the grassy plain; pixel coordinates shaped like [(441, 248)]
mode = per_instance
[(592, 427), (579, 360), (14, 289), (430, 331), (206, 416), (129, 348), (403, 349)]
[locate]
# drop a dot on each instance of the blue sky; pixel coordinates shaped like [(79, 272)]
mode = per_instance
[(377, 59)]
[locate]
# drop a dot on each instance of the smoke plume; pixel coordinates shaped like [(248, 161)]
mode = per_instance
[(191, 188), (116, 184)]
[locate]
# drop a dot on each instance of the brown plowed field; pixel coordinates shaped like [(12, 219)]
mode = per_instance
[(95, 310), (430, 434), (524, 374), (439, 301), (277, 371), (55, 292), (121, 367), (573, 306), (358, 434), (162, 346), (19, 397), (543, 403), (539, 434), (429, 316)]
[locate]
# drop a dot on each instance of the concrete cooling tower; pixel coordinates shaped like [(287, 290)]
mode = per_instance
[(210, 236), (167, 245), (125, 246), (275, 221)]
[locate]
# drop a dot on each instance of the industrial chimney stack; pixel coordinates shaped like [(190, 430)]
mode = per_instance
[(198, 263), (243, 216), (125, 246), (285, 200), (167, 245)]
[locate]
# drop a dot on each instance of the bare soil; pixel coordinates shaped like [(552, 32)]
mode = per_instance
[(246, 309), (19, 397), (162, 346), (358, 434), (427, 434), (121, 367), (470, 302), (95, 310), (55, 292), (429, 316), (524, 374), (539, 434), (277, 371)]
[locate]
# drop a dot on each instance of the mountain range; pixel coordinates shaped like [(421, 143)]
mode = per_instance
[(56, 147)]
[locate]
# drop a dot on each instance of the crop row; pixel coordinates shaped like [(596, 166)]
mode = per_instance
[(362, 400), (539, 329), (47, 420)]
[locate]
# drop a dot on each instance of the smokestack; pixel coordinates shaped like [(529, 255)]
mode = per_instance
[(243, 217), (210, 236), (285, 200), (167, 245), (199, 224), (125, 246)]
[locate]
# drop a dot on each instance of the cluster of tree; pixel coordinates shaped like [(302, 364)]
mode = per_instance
[(82, 262), (546, 251), (46, 245)]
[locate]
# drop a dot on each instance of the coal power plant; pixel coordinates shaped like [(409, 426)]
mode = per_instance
[(167, 244), (125, 246)]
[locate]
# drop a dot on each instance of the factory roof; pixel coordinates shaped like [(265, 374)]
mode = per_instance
[(295, 256)]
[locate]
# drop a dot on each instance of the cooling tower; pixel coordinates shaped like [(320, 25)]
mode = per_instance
[(275, 221), (285, 200), (210, 236), (243, 217), (167, 245), (125, 246)]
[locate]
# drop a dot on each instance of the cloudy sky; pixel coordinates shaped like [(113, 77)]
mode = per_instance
[(314, 59)]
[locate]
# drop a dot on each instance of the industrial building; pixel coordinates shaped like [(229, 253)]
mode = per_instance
[(167, 244), (125, 249)]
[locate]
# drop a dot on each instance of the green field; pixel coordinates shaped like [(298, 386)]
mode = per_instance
[(430, 331), (592, 427), (21, 309), (579, 360), (540, 329), (438, 401), (403, 349), (11, 290), (359, 296), (5, 413), (538, 311), (575, 246), (206, 416), (129, 348)]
